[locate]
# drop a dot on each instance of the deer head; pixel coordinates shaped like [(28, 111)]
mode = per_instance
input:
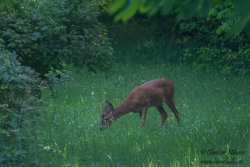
[(107, 115)]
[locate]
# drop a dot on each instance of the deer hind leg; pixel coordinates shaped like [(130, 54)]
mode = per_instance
[(143, 115), (171, 105), (163, 114)]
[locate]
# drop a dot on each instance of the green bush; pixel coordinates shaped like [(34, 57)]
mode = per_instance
[(46, 35), (226, 60), (211, 46), (53, 33), (19, 106)]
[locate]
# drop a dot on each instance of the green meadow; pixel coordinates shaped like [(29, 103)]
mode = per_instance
[(60, 61), (214, 113)]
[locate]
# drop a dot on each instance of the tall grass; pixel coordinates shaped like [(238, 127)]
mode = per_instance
[(214, 113)]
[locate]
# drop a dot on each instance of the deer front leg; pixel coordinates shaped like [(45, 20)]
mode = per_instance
[(143, 115), (140, 113)]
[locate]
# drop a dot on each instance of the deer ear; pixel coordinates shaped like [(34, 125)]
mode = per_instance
[(109, 105)]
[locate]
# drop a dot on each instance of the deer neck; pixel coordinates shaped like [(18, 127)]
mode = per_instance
[(124, 108)]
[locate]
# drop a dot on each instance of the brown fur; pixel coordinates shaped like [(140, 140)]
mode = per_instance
[(152, 93)]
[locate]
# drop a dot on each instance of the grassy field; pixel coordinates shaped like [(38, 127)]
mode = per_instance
[(214, 113)]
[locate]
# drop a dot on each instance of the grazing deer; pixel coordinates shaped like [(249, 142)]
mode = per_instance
[(152, 93)]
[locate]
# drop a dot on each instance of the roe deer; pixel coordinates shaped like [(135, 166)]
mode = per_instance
[(152, 93)]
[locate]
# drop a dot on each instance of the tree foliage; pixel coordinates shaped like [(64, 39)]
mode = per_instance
[(210, 46), (54, 33), (38, 38), (185, 9), (19, 106), (4, 3), (215, 34)]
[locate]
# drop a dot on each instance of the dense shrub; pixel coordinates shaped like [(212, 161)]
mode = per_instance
[(19, 106), (224, 59), (46, 35), (209, 45), (54, 33)]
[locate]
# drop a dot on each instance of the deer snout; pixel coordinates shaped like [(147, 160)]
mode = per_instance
[(105, 124), (102, 128)]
